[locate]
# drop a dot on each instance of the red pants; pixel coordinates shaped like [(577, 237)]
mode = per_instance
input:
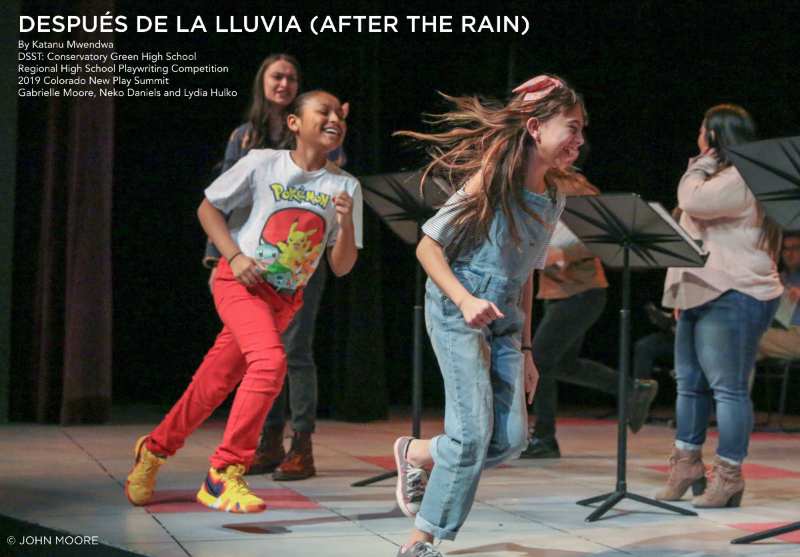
[(249, 350)]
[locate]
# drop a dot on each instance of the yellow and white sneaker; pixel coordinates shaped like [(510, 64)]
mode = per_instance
[(142, 478), (226, 490)]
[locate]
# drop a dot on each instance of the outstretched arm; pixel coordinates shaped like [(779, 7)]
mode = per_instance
[(477, 312)]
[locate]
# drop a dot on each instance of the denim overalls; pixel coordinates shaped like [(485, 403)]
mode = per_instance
[(485, 412)]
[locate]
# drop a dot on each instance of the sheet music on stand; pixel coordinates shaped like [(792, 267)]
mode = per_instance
[(664, 214), (656, 239)]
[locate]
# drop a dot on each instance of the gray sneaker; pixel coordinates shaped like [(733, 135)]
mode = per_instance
[(411, 481), (419, 549)]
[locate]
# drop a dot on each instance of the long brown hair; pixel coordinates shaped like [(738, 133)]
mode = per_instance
[(730, 124), (488, 139), (258, 113)]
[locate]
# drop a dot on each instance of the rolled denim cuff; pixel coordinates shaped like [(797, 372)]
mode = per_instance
[(438, 533), (684, 446), (730, 461), (419, 522)]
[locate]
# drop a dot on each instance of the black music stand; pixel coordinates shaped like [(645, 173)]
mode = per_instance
[(771, 169), (779, 531), (626, 232), (397, 201)]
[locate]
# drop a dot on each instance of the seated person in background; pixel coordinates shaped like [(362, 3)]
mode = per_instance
[(783, 341), (657, 347)]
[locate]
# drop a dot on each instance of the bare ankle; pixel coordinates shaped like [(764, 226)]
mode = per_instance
[(418, 536), (411, 453), (418, 454)]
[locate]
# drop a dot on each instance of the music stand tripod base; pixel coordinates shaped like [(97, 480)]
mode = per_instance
[(611, 499), (750, 538)]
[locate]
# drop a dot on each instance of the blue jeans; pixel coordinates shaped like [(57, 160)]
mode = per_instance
[(485, 419), (715, 350)]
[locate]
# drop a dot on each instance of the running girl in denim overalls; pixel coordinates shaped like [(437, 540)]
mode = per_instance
[(480, 251)]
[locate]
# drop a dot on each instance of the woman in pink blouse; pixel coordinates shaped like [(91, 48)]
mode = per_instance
[(723, 308)]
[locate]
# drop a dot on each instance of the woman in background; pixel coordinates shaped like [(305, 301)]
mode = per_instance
[(723, 309)]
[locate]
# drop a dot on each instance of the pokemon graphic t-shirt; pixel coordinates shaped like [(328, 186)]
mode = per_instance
[(293, 218)]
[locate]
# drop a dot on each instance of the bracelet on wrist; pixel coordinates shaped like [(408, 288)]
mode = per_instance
[(232, 257), (527, 348)]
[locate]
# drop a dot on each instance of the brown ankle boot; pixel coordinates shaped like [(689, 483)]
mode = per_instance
[(726, 487), (685, 469), (270, 452), (299, 463)]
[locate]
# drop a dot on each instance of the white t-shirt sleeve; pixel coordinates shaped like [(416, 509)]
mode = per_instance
[(353, 188), (440, 226), (234, 188)]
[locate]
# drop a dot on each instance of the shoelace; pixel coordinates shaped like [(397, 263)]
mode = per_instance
[(416, 480), (425, 549), (150, 464), (239, 484)]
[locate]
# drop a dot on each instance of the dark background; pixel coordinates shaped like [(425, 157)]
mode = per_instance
[(648, 71)]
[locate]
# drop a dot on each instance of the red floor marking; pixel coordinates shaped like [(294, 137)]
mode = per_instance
[(750, 471), (183, 501), (759, 526)]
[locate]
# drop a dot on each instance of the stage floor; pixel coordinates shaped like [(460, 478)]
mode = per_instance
[(71, 478)]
